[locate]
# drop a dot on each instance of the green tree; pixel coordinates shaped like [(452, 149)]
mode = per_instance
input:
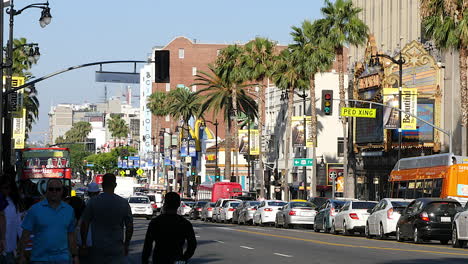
[(446, 22), (79, 132), (183, 105), (317, 57), (118, 127), (259, 58), (157, 104), (217, 94), (288, 75), (342, 27)]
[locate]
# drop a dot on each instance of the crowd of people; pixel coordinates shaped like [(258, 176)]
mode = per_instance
[(72, 231)]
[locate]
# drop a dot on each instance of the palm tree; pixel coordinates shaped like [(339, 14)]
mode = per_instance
[(288, 76), (157, 104), (446, 22), (229, 66), (218, 94), (342, 27), (118, 127), (317, 57), (79, 132), (258, 58)]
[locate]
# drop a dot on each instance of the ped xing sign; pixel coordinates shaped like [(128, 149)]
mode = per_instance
[(358, 112)]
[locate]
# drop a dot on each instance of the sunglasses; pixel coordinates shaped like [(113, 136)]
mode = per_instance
[(52, 189)]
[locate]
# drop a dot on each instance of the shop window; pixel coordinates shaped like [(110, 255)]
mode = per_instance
[(340, 147)]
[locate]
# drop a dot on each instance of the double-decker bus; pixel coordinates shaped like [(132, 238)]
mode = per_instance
[(218, 190), (37, 165), (441, 175)]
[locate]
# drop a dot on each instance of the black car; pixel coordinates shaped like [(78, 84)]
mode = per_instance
[(195, 212), (318, 201), (427, 219)]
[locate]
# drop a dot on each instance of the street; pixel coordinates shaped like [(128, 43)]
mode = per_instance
[(227, 243)]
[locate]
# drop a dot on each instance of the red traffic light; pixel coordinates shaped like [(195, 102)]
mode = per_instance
[(328, 96)]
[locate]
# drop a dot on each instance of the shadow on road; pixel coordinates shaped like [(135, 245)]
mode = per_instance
[(205, 259), (427, 261)]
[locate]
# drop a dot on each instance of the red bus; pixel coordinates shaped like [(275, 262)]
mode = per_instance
[(218, 190), (37, 165)]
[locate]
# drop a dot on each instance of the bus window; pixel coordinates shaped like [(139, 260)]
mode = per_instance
[(402, 189), (428, 188), (437, 188), (419, 190), (410, 191)]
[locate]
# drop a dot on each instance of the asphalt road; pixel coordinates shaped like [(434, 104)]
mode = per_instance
[(226, 243)]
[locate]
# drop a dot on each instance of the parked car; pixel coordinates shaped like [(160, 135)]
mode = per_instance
[(195, 212), (352, 217), (245, 212), (383, 218), (317, 201), (225, 214), (323, 219), (296, 213), (185, 208), (460, 228), (266, 212), (140, 206), (156, 200), (207, 211), (218, 206), (428, 219)]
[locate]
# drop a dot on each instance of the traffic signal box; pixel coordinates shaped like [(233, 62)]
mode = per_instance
[(193, 171), (217, 174), (327, 102)]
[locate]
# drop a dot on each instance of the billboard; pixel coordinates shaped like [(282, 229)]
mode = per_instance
[(409, 101), (298, 129)]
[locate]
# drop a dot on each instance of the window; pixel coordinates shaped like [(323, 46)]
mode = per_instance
[(194, 71), (168, 87), (181, 53), (194, 88), (436, 187), (168, 118), (340, 147), (218, 51)]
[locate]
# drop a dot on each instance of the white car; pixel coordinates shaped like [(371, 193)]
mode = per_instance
[(225, 214), (218, 206), (266, 212), (184, 208), (141, 206), (384, 216), (352, 217), (460, 228)]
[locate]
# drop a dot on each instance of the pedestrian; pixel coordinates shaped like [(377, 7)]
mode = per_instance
[(3, 205), (93, 190), (107, 214), (169, 231), (52, 222), (78, 206), (12, 218)]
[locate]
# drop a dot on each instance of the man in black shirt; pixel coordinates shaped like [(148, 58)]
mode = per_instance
[(169, 232)]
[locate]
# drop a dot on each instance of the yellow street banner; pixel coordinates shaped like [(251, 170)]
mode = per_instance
[(358, 112), (409, 104), (15, 104), (298, 135), (244, 148), (19, 130)]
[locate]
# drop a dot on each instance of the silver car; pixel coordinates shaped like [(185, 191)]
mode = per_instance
[(207, 212), (246, 212), (296, 213)]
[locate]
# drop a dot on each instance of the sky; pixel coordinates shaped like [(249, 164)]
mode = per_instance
[(88, 31)]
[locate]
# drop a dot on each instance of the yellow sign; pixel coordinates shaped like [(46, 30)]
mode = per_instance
[(358, 112), (140, 172), (122, 173), (409, 104), (16, 99), (254, 148), (19, 130)]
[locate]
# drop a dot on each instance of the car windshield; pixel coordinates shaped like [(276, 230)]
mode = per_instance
[(301, 204), (363, 205), (254, 203), (189, 203), (400, 204), (201, 204), (234, 205), (442, 208), (276, 203), (138, 200)]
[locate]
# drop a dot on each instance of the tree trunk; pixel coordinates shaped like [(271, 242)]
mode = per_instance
[(348, 182), (463, 53), (260, 138), (313, 132), (227, 151), (288, 143)]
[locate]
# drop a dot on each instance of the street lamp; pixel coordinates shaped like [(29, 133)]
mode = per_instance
[(216, 144), (374, 61)]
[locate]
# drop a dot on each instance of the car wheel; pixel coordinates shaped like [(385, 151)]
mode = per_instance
[(261, 222), (398, 235), (381, 232), (316, 229), (276, 223), (346, 232), (416, 238), (325, 228), (367, 231), (456, 243), (333, 229), (285, 224)]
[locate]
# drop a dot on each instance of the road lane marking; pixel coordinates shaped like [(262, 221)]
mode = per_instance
[(224, 228), (246, 247), (197, 236), (219, 241), (283, 255), (354, 246)]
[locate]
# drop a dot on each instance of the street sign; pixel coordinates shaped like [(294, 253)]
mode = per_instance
[(170, 175), (89, 165), (139, 172), (303, 162), (133, 158), (358, 112), (122, 173)]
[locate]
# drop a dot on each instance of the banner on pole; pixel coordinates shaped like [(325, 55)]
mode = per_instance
[(244, 148), (409, 101), (298, 135), (19, 130), (390, 115)]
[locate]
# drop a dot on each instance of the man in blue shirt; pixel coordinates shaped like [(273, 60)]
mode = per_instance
[(52, 222)]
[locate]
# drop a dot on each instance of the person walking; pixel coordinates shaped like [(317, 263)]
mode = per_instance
[(169, 232), (93, 190), (107, 214), (12, 218), (52, 222), (3, 230)]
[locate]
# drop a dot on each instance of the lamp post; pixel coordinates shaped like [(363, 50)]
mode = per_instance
[(216, 143), (400, 62), (304, 96), (172, 168), (45, 19)]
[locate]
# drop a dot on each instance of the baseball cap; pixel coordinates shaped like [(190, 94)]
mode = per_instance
[(93, 187)]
